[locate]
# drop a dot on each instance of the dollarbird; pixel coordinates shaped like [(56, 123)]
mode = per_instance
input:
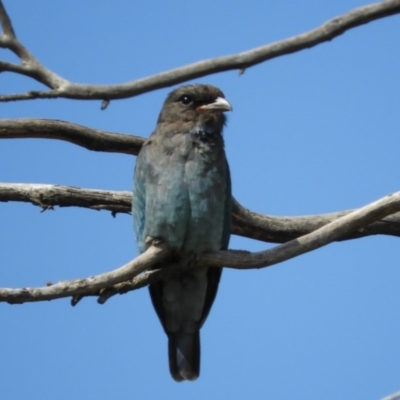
[(182, 196)]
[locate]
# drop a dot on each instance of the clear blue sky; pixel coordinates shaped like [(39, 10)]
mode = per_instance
[(313, 132)]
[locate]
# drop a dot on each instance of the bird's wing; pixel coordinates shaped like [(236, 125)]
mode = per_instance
[(214, 274), (226, 233), (139, 198)]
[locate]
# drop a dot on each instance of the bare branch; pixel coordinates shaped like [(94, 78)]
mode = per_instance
[(245, 222), (91, 139), (76, 287), (6, 66), (394, 396), (48, 196), (241, 61), (137, 282), (328, 233), (30, 66), (231, 259), (276, 229), (6, 22), (32, 94)]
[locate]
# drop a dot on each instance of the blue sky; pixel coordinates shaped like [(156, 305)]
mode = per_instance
[(313, 132)]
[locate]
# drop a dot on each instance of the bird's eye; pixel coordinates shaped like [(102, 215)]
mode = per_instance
[(185, 100)]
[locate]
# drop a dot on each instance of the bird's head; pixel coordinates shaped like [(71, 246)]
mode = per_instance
[(194, 107)]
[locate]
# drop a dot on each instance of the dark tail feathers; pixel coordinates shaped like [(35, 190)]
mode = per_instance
[(184, 355)]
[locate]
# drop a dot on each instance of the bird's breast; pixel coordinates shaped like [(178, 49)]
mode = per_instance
[(186, 206)]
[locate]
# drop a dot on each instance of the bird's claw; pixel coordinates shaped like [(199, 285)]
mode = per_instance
[(150, 241)]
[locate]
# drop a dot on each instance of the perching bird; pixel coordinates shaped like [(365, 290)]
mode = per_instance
[(182, 196)]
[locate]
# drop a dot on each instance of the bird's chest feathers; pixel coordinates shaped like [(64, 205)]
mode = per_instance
[(194, 185), (200, 144), (204, 142)]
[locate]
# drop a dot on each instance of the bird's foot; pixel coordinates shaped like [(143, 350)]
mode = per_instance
[(150, 241)]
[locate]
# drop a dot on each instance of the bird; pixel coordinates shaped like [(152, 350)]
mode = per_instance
[(182, 197)]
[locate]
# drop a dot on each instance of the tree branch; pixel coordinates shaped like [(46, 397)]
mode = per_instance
[(394, 396), (30, 66), (276, 229), (245, 222), (91, 139), (77, 287), (5, 22), (48, 196), (63, 88), (328, 233), (231, 259)]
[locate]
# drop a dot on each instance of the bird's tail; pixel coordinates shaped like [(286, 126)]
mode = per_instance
[(184, 355)]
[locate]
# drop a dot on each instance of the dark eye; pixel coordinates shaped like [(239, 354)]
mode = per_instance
[(185, 99)]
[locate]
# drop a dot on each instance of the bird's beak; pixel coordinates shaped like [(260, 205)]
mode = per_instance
[(220, 104)]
